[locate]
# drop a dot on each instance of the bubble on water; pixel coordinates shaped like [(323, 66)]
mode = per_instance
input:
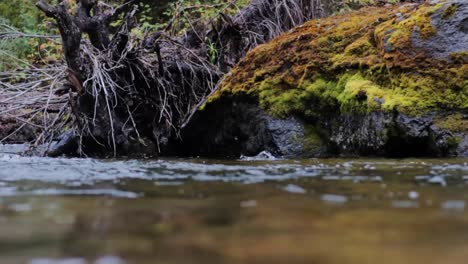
[(168, 183), (376, 179), (249, 203), (413, 195), (438, 180), (422, 178), (331, 178), (334, 198), (20, 207), (91, 192), (58, 261), (405, 204), (8, 191), (109, 260), (294, 189), (454, 205), (369, 167)]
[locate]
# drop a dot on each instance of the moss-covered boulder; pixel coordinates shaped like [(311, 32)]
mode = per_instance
[(387, 80)]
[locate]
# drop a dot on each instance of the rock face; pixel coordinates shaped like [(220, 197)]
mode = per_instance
[(230, 128), (385, 81)]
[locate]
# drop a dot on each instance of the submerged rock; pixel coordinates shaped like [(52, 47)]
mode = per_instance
[(379, 81)]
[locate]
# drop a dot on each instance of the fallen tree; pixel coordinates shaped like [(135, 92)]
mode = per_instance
[(130, 95)]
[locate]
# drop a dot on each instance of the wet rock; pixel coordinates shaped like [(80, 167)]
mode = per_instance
[(234, 128), (374, 134), (67, 144), (360, 134), (284, 133), (231, 128), (451, 36), (462, 148), (387, 81), (391, 134)]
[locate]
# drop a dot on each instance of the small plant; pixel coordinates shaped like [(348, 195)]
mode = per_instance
[(146, 19), (343, 6), (185, 14), (24, 35), (212, 51)]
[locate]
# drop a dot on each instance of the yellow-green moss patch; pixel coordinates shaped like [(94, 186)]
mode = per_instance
[(449, 11), (455, 123)]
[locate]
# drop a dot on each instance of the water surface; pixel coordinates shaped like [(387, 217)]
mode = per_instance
[(79, 211)]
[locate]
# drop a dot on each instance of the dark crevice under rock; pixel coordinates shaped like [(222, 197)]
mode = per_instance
[(234, 127)]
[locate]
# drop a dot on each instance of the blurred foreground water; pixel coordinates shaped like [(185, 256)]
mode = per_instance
[(252, 210)]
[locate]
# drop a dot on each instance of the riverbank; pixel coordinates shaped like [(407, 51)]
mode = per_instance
[(371, 82)]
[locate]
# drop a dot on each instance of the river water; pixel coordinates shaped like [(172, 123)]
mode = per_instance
[(251, 210)]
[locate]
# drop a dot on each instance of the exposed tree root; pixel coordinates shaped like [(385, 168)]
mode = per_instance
[(29, 108), (128, 95)]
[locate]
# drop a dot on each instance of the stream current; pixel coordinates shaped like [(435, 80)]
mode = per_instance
[(251, 210)]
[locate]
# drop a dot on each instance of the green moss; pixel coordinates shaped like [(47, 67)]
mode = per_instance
[(312, 141), (455, 123), (421, 23), (399, 33), (453, 142), (459, 57), (361, 62), (280, 103), (449, 11)]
